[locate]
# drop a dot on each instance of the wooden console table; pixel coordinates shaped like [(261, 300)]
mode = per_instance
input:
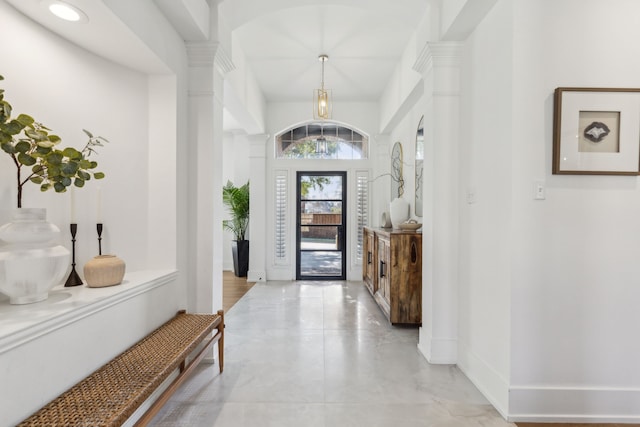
[(392, 271)]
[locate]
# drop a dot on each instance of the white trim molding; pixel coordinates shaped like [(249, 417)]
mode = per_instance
[(574, 404), (207, 54), (441, 54)]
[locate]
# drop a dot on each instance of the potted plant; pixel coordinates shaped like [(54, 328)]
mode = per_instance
[(236, 200)]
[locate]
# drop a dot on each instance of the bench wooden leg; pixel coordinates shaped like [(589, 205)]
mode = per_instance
[(221, 341)]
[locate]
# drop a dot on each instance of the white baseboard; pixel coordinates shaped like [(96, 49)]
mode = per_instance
[(256, 276), (574, 404), (438, 351), (493, 385), (280, 274)]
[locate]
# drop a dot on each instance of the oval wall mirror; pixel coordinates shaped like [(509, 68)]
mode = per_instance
[(419, 166)]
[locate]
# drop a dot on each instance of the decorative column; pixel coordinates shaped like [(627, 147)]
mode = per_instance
[(439, 64), (258, 207), (208, 63)]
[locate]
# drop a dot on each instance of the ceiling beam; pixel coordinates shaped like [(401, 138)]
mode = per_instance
[(464, 21)]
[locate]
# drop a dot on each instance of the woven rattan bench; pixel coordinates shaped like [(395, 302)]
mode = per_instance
[(110, 395)]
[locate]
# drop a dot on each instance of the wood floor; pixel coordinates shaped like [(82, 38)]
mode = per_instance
[(573, 425), (233, 288)]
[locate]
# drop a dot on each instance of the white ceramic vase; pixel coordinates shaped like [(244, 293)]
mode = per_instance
[(31, 262), (399, 211)]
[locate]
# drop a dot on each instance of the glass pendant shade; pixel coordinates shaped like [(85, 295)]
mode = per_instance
[(321, 104)]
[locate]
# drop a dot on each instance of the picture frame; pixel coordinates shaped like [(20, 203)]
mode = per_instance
[(596, 131)]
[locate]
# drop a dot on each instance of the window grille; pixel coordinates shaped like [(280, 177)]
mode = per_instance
[(322, 140)]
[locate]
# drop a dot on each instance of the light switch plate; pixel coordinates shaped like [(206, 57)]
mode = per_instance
[(539, 190), (472, 196)]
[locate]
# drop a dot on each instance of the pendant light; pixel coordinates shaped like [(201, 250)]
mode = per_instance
[(322, 96)]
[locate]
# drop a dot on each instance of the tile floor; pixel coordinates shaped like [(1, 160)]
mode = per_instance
[(309, 354)]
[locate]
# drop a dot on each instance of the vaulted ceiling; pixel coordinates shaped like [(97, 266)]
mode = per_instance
[(363, 38), (281, 40)]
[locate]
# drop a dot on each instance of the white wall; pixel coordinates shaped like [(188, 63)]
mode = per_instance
[(243, 97), (575, 288), (485, 222), (68, 89), (547, 288), (402, 89)]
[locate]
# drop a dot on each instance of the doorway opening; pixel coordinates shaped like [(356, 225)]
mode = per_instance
[(321, 226)]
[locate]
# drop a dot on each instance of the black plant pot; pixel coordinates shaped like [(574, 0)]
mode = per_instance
[(240, 249)]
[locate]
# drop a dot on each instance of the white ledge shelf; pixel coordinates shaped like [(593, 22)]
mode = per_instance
[(22, 323)]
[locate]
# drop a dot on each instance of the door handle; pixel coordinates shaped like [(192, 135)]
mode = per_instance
[(382, 268), (368, 257)]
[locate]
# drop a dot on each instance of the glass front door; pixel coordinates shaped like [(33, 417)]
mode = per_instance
[(320, 226)]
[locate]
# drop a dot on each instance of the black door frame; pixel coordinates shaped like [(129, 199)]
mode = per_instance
[(342, 228)]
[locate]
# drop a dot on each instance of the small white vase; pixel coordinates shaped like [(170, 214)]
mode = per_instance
[(32, 262), (399, 211)]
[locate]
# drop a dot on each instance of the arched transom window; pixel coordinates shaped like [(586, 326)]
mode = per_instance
[(322, 140)]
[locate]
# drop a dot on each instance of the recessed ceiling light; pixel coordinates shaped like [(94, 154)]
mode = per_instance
[(67, 11)]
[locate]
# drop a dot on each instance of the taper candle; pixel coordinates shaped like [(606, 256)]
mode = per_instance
[(99, 215), (73, 205)]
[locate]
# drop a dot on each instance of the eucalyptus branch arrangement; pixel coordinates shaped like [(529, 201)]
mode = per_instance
[(35, 153), (395, 176)]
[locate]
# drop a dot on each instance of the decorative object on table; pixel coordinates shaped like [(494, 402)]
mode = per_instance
[(399, 207), (385, 220), (73, 279), (411, 224), (419, 163), (99, 229), (236, 200), (104, 270), (399, 211), (596, 131), (32, 262)]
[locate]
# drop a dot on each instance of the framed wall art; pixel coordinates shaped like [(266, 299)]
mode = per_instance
[(596, 131)]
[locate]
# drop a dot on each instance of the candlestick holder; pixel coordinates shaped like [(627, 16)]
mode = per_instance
[(73, 279), (99, 228)]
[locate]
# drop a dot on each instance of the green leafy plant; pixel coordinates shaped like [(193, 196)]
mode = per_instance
[(236, 199), (34, 151)]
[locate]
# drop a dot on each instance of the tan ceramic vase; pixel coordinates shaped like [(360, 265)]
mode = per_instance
[(104, 270)]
